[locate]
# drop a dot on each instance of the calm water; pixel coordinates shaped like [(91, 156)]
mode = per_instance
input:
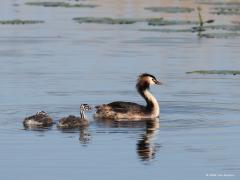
[(60, 64)]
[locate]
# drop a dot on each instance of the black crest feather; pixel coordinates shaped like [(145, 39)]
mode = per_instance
[(146, 75)]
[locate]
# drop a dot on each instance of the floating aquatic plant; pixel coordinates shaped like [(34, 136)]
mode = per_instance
[(220, 35), (150, 21), (202, 26), (60, 4), (223, 3), (168, 30), (164, 22), (19, 21), (170, 9), (224, 72), (226, 10), (106, 20), (223, 27), (201, 23)]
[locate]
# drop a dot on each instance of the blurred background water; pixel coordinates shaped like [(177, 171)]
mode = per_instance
[(59, 64)]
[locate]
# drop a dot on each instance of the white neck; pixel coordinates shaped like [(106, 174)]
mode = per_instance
[(152, 102), (82, 115)]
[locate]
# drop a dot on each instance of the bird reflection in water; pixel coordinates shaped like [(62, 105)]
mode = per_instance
[(146, 149), (84, 134)]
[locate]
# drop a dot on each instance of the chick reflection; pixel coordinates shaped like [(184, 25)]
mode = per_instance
[(84, 134), (145, 148)]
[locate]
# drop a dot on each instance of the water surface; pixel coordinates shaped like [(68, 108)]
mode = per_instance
[(57, 65)]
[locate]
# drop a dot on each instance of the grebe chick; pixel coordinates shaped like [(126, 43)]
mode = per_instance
[(120, 110), (40, 119), (73, 121)]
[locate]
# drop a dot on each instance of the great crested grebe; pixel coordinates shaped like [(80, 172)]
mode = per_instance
[(73, 121), (131, 111), (40, 119)]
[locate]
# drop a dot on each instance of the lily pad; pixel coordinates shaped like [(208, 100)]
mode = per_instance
[(170, 9), (163, 22), (19, 21), (224, 72), (106, 20), (60, 4)]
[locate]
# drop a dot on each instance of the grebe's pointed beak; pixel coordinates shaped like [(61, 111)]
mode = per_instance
[(158, 82)]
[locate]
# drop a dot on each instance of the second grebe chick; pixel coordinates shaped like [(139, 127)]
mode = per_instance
[(72, 121), (120, 110), (40, 119)]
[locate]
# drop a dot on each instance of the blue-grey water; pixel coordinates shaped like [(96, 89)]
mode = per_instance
[(57, 65)]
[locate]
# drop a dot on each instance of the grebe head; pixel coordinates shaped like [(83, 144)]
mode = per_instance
[(145, 80)]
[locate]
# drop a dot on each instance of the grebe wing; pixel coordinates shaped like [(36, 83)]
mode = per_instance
[(123, 107)]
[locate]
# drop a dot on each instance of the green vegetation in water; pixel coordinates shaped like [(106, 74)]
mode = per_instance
[(203, 27), (106, 20), (224, 72), (195, 29), (219, 35), (19, 21), (199, 28), (201, 23), (226, 10), (60, 4), (150, 21), (164, 22), (231, 31), (223, 27), (168, 30), (170, 9), (200, 20), (223, 3)]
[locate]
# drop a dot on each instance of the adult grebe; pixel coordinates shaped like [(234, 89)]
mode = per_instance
[(73, 121), (40, 119), (127, 110)]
